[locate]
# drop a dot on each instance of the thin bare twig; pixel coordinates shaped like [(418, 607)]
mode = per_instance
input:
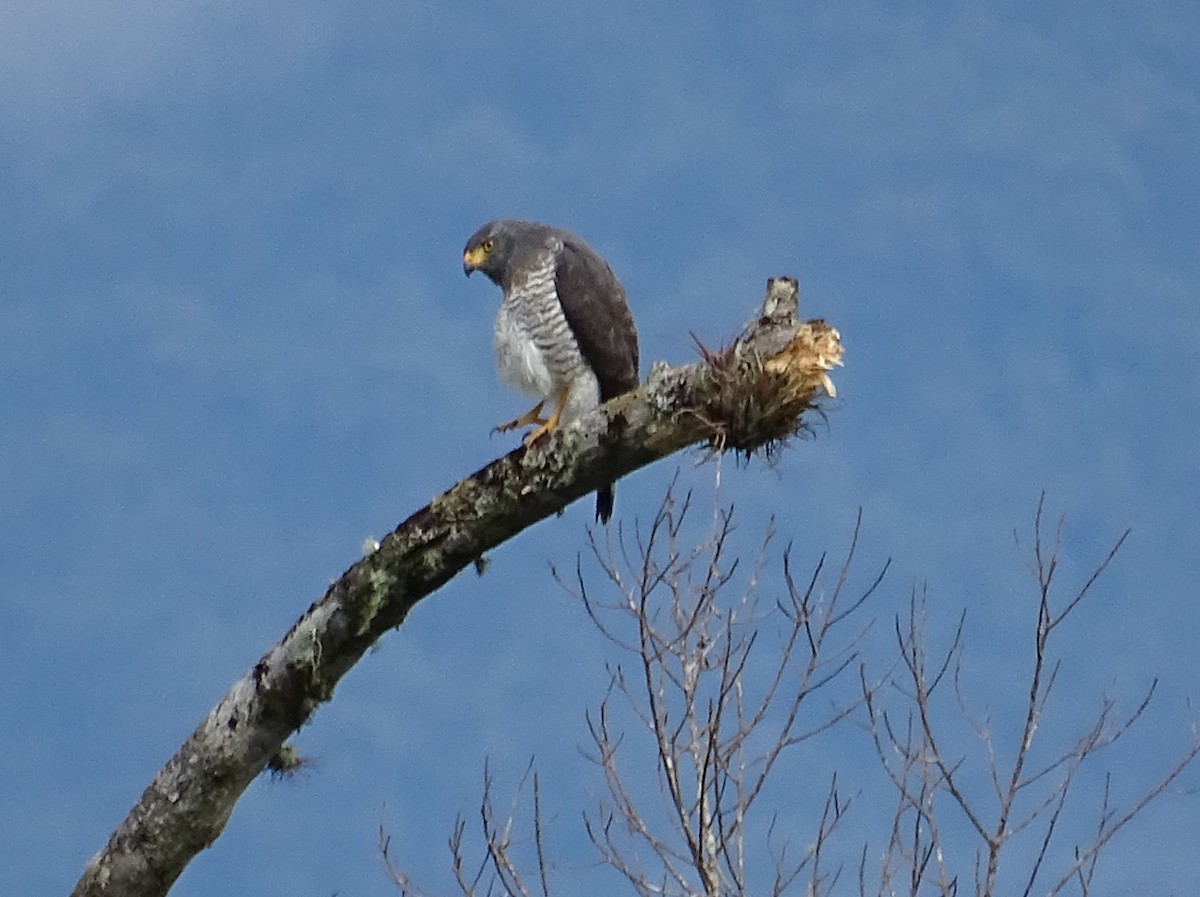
[(924, 776)]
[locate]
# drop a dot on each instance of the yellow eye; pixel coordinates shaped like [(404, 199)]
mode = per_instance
[(489, 245)]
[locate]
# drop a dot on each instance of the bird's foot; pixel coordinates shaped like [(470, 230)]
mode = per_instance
[(537, 433), (532, 416), (542, 425), (545, 426)]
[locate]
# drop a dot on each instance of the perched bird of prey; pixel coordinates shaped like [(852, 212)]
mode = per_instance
[(564, 332)]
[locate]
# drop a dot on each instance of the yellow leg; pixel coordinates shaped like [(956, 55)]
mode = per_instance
[(532, 416), (545, 426)]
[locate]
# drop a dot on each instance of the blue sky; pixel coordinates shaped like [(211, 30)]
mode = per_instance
[(235, 340)]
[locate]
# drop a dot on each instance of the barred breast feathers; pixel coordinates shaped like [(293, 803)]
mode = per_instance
[(536, 351), (534, 307)]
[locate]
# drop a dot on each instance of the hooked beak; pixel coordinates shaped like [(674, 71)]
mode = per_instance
[(472, 259)]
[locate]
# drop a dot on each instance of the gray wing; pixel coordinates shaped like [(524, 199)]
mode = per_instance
[(593, 302)]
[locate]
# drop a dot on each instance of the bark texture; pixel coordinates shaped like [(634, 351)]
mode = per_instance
[(752, 395)]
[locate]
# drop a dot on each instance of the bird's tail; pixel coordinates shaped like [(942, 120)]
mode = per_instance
[(604, 503)]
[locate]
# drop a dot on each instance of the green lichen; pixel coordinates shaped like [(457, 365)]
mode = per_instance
[(381, 582)]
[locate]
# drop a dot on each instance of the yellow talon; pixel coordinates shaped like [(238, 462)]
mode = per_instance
[(533, 416)]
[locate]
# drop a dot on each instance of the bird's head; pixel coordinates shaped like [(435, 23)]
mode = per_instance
[(489, 250)]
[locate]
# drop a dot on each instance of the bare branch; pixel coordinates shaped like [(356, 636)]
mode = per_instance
[(395, 876), (924, 777), (750, 397), (704, 699), (1110, 824)]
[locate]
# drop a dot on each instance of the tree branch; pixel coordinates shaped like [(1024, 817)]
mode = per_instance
[(751, 396)]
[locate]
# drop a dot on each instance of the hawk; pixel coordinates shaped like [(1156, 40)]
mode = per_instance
[(564, 332)]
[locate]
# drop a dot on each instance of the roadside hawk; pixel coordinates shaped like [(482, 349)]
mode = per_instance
[(564, 332)]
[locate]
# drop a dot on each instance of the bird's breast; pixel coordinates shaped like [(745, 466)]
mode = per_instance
[(536, 351), (520, 361)]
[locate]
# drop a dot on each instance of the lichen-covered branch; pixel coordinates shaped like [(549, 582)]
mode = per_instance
[(751, 396)]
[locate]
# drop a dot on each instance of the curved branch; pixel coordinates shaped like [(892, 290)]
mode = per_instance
[(749, 396)]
